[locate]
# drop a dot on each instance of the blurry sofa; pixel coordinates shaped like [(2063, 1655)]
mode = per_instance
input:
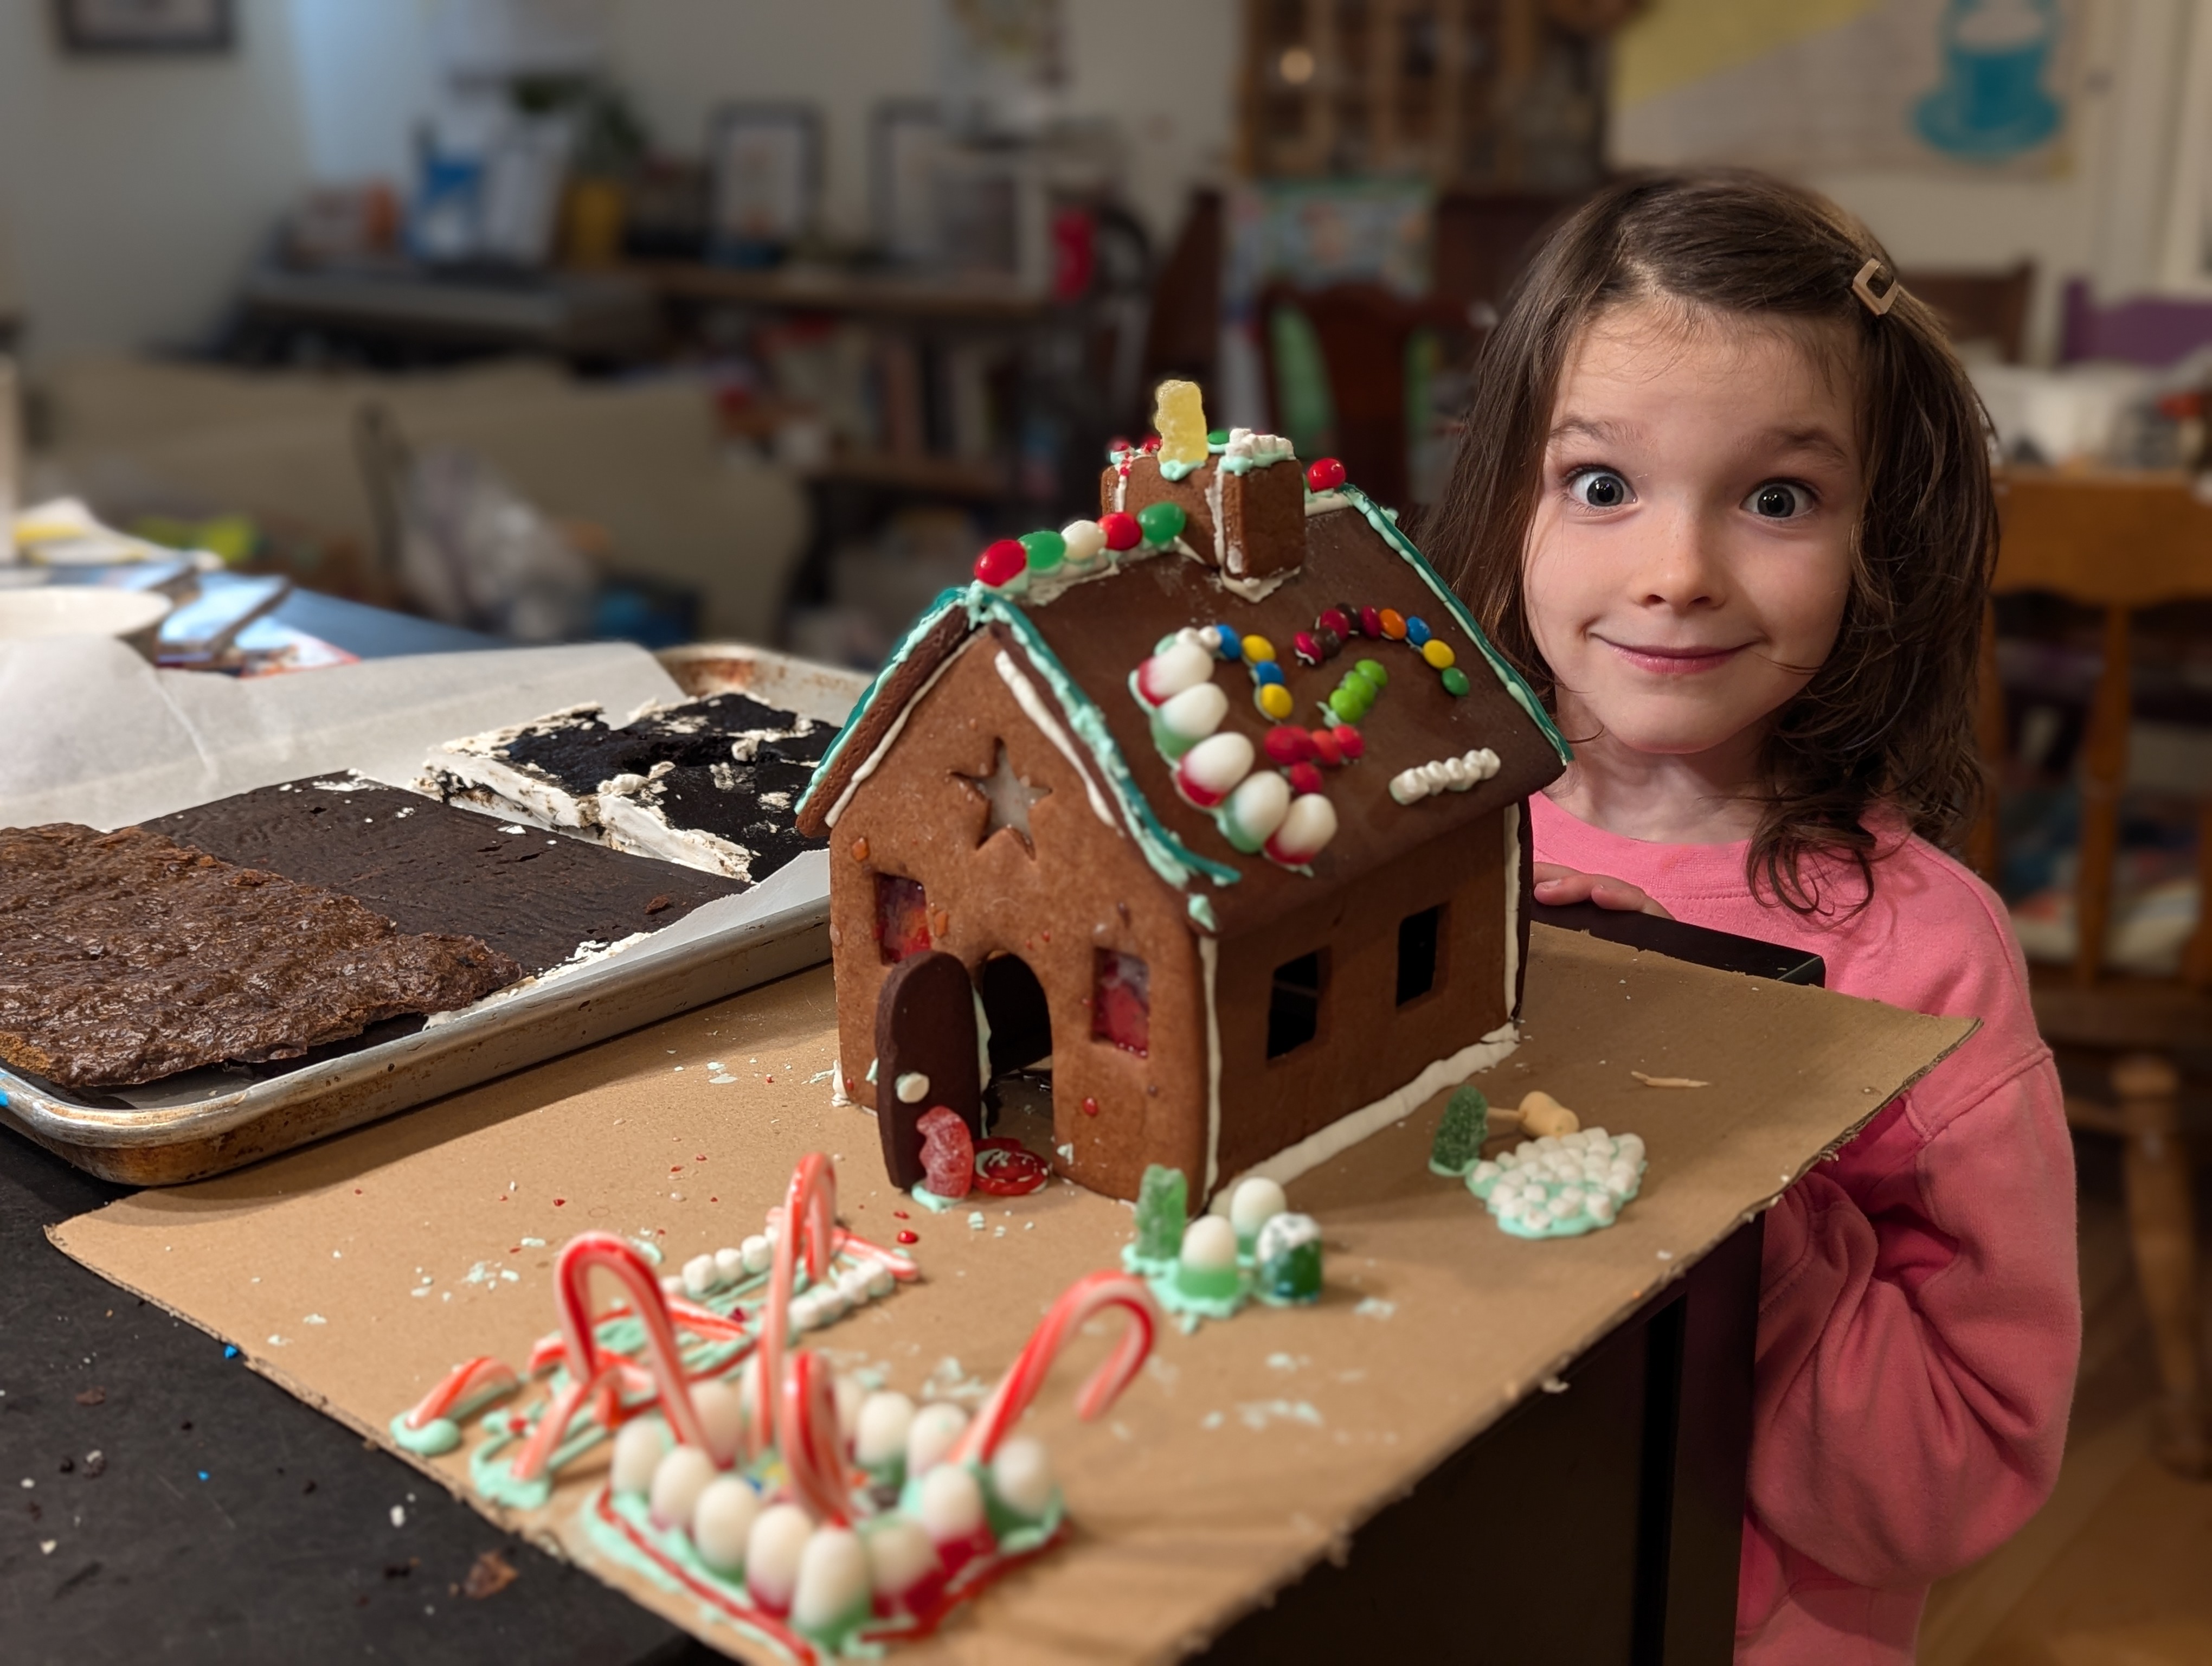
[(643, 461)]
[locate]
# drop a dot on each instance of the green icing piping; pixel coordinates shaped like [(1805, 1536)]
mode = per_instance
[(1523, 696)]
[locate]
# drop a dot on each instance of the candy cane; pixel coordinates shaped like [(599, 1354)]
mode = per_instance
[(467, 1386), (806, 1226), (807, 1436), (902, 1267), (593, 1375), (1076, 1304)]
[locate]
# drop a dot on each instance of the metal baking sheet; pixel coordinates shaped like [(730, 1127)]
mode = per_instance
[(206, 1121)]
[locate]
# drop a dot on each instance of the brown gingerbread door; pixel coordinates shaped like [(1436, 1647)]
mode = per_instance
[(925, 1056)]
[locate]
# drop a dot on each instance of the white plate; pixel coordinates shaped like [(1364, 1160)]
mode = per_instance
[(79, 610)]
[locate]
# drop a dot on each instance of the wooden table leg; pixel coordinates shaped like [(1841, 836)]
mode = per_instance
[(2162, 1220)]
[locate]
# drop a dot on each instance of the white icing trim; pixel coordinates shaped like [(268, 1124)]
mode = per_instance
[(1209, 955), (1320, 503), (1446, 774), (1213, 504), (1259, 589), (1348, 1131), (1512, 905), (1032, 704), (868, 765)]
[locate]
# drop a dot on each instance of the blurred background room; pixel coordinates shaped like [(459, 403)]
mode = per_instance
[(345, 323)]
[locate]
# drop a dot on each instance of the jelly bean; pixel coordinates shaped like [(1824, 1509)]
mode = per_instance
[(1255, 810), (1267, 672), (1288, 744), (1122, 531), (948, 1153), (1370, 621), (1352, 743), (1082, 542), (1337, 619), (1326, 747), (1392, 624), (1373, 672), (1417, 629), (1307, 647), (1163, 522), (1167, 674), (1275, 701), (1001, 562), (1304, 778), (1257, 648), (1046, 550), (1208, 770), (1455, 681), (1307, 827), (1324, 474), (1187, 718), (1438, 653)]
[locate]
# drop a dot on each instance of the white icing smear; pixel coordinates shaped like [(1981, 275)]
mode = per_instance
[(874, 759), (1345, 1133), (1512, 909), (1320, 503), (1209, 956), (1032, 704)]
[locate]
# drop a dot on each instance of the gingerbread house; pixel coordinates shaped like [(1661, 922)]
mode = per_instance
[(1218, 804)]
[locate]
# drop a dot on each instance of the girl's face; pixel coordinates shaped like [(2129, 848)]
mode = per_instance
[(1688, 562)]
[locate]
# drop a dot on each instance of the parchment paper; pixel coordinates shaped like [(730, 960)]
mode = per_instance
[(357, 1272)]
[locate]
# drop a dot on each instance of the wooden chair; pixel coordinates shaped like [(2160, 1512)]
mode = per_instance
[(1989, 306), (2119, 543)]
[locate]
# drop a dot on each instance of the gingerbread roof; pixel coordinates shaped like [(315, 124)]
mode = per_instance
[(1074, 652)]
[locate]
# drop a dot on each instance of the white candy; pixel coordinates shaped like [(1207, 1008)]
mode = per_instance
[(900, 1554), (1258, 806), (881, 1280), (1599, 1139), (1086, 544), (673, 1283), (1308, 826), (1209, 1244), (833, 1579), (1255, 1201), (1021, 1474), (1602, 1208), (1216, 764), (880, 1431), (805, 1312), (1195, 713), (640, 1444), (680, 1478), (854, 1284), (699, 1275), (758, 1253), (773, 1552), (850, 1392), (1630, 1147), (1182, 666), (722, 1411), (1486, 1173), (952, 1504), (722, 1521), (931, 1434), (729, 1265), (912, 1087)]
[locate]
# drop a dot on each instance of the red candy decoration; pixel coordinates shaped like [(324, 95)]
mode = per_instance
[(1370, 621), (1117, 445), (1304, 778), (1324, 474), (1351, 741), (1089, 1106), (1286, 743), (1325, 748), (1001, 562), (1337, 619), (1121, 532), (1308, 647), (1006, 1168), (948, 1155), (1151, 444), (908, 1237)]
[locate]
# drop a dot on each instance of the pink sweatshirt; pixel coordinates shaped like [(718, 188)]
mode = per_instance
[(1920, 1314)]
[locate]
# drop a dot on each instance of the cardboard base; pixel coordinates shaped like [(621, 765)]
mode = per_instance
[(357, 1272)]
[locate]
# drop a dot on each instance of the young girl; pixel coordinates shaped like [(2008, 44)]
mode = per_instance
[(1726, 501)]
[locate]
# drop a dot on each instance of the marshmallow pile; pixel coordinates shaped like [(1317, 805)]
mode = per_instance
[(1561, 1185)]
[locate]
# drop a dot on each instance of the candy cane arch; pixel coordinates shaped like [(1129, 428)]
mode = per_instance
[(808, 1226), (590, 1374), (808, 1437), (470, 1384), (1077, 1304)]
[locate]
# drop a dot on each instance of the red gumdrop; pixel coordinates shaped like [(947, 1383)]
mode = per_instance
[(948, 1155), (1286, 743), (1350, 740), (1121, 532), (1001, 562), (1324, 474), (1325, 747), (1304, 778)]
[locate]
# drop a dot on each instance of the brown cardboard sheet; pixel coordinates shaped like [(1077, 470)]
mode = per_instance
[(355, 1272)]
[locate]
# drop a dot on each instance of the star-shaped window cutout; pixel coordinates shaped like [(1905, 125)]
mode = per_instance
[(1008, 799)]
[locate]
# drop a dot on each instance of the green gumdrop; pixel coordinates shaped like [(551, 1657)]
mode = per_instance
[(1163, 522), (1458, 1144), (1455, 681), (1163, 1209), (1293, 1274), (1218, 437), (1372, 671), (1046, 550)]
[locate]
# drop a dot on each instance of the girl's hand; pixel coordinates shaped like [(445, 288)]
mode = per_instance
[(1557, 886)]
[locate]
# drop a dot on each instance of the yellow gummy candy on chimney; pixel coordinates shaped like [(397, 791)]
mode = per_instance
[(1179, 415)]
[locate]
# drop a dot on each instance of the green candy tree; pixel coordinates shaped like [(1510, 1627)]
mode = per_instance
[(1458, 1144)]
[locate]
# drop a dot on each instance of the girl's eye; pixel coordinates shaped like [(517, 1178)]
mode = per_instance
[(1777, 499), (1598, 488)]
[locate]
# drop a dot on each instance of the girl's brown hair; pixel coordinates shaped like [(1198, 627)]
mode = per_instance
[(1889, 718)]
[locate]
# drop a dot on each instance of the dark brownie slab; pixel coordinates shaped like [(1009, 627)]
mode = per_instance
[(533, 895), (125, 957)]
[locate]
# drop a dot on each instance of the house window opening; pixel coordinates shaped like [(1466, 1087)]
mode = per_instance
[(1121, 1002), (1294, 1004), (1015, 1007), (1417, 937), (902, 917)]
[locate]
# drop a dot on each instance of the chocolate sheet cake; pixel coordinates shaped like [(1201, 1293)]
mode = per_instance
[(128, 958), (535, 895)]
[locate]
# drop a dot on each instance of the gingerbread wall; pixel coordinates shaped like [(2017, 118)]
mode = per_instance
[(913, 817)]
